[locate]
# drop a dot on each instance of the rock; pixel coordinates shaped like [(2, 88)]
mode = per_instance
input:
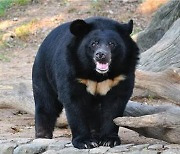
[(99, 150), (7, 148), (30, 149), (59, 145), (171, 151), (43, 141), (64, 146)]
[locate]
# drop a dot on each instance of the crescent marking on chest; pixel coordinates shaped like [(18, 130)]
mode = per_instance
[(101, 88)]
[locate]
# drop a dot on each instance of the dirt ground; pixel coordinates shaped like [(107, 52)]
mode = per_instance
[(20, 52)]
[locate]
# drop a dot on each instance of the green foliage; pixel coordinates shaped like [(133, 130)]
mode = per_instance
[(5, 4), (21, 2)]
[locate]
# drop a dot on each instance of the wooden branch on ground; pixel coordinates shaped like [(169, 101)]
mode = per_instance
[(159, 122)]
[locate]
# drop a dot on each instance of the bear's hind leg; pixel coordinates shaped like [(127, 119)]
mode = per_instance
[(47, 109)]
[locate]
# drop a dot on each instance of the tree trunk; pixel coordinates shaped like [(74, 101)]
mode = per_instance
[(161, 22), (159, 122)]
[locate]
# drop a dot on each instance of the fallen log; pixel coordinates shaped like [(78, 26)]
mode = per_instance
[(159, 122), (165, 84), (19, 95)]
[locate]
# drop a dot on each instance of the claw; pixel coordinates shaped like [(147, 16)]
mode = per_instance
[(94, 144), (85, 145)]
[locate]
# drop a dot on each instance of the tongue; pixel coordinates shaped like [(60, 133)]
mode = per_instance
[(101, 66)]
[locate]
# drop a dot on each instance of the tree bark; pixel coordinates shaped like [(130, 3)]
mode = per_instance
[(161, 22)]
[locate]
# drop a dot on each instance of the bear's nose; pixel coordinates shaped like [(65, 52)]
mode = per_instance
[(100, 55)]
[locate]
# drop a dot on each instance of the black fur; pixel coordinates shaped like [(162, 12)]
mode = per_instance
[(67, 54)]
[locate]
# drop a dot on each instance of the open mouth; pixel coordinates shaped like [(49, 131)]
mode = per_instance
[(102, 67)]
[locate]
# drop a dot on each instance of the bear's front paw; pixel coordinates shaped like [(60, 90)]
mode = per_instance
[(85, 144), (110, 141)]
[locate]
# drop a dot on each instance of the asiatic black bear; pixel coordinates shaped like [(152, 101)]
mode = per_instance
[(88, 68)]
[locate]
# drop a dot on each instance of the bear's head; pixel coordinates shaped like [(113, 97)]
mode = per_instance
[(104, 45)]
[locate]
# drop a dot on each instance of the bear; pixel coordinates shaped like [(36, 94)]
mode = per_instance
[(87, 67)]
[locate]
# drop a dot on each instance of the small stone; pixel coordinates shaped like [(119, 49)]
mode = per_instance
[(15, 19), (156, 147), (99, 150), (171, 151), (7, 148), (110, 11)]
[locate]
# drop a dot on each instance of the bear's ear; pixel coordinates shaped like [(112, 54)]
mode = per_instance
[(127, 27), (79, 27), (130, 26)]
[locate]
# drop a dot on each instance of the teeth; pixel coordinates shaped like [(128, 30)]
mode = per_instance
[(102, 71)]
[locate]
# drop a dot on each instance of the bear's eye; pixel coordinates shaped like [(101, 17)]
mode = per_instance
[(112, 44), (94, 43)]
